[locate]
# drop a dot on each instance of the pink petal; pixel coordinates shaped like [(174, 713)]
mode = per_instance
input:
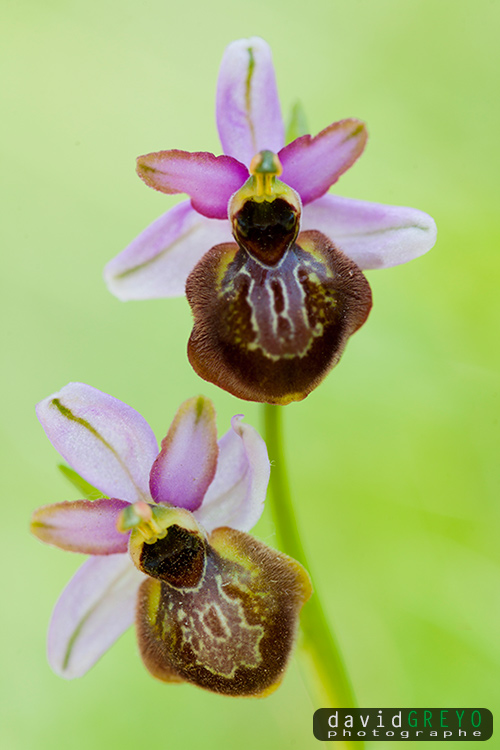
[(248, 109), (107, 442), (371, 234), (82, 526), (236, 496), (209, 180), (158, 262), (95, 608), (186, 465), (311, 165)]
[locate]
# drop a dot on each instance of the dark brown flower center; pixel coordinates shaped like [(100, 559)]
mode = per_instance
[(266, 229), (265, 212), (178, 558)]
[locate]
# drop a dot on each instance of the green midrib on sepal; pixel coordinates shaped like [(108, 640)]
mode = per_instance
[(68, 414)]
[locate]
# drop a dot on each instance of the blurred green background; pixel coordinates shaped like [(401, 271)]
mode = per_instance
[(394, 459)]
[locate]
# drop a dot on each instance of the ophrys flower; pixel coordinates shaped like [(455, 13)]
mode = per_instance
[(213, 605), (273, 310)]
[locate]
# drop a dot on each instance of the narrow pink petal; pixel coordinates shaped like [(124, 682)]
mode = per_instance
[(209, 180), (236, 496), (95, 608), (371, 234), (311, 165), (158, 262), (248, 108), (107, 442), (186, 465), (82, 526)]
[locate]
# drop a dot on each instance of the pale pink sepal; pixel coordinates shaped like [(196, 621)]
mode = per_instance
[(373, 235), (82, 526), (236, 496), (247, 105), (107, 442), (208, 180), (95, 608), (311, 165), (158, 262), (188, 459)]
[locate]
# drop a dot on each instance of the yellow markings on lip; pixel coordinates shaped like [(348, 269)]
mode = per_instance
[(308, 245), (153, 600), (234, 634), (225, 259)]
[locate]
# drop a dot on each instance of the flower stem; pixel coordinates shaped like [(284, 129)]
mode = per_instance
[(331, 687)]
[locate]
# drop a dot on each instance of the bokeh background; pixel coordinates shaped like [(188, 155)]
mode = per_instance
[(394, 459)]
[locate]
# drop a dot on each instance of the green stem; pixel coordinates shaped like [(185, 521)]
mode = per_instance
[(332, 685)]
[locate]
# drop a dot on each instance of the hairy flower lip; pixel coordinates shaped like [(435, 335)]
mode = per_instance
[(243, 612), (272, 334)]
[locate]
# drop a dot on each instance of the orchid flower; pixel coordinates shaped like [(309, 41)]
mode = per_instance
[(213, 606), (271, 260)]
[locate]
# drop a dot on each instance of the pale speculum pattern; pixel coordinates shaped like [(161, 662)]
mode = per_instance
[(226, 625), (209, 627), (272, 332), (287, 305)]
